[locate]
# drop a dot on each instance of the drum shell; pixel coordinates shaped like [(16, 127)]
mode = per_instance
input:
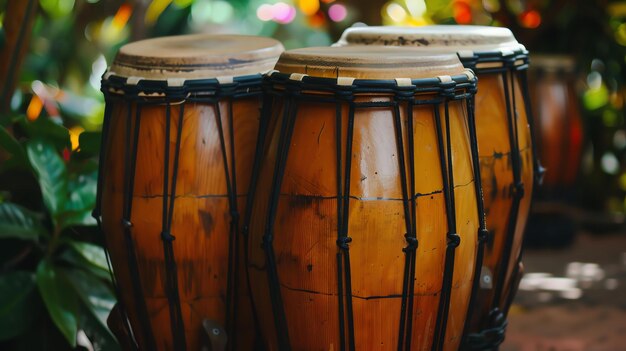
[(498, 186), (201, 216), (491, 54), (559, 129), (305, 231)]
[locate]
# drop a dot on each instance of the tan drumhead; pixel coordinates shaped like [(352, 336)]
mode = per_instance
[(196, 56), (368, 62), (447, 38)]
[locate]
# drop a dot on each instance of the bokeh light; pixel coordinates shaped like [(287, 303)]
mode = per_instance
[(530, 19), (610, 163), (283, 13), (121, 16), (218, 11), (462, 12), (74, 136), (155, 9), (201, 11), (34, 108), (280, 12), (222, 11), (620, 34), (317, 20), (337, 12), (417, 8), (265, 12), (309, 7), (97, 70), (491, 5), (57, 8), (396, 12)]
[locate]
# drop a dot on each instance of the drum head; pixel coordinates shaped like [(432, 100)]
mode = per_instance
[(197, 56), (443, 38), (362, 62)]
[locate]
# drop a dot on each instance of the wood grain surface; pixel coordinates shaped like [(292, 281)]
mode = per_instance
[(201, 216)]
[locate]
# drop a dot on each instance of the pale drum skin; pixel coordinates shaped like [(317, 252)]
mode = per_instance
[(201, 219), (305, 230), (493, 138)]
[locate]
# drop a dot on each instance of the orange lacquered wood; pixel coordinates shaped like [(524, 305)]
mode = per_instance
[(201, 214), (497, 180), (493, 137), (560, 127), (306, 229)]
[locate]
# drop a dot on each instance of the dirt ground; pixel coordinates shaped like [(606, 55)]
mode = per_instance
[(572, 299)]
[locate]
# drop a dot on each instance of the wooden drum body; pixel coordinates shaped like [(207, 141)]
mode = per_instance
[(178, 145), (364, 227), (558, 120), (508, 165)]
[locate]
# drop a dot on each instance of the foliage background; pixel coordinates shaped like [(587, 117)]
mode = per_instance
[(55, 291)]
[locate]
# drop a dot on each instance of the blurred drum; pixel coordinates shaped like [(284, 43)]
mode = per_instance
[(364, 226), (507, 160), (180, 127), (557, 119)]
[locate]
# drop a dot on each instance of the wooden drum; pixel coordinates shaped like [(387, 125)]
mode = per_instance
[(363, 231), (507, 160), (558, 120), (179, 135)]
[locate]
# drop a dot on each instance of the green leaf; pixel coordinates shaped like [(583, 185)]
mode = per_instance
[(59, 298), (89, 143), (18, 303), (93, 254), (18, 222), (99, 335), (51, 172), (13, 147), (77, 218), (94, 293), (81, 191), (8, 143), (47, 129), (75, 259)]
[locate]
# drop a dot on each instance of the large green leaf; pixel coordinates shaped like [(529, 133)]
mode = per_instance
[(100, 336), (47, 129), (8, 143), (19, 305), (51, 173), (76, 259), (77, 218), (59, 298), (18, 222), (81, 189), (13, 147), (94, 293), (93, 254), (89, 143)]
